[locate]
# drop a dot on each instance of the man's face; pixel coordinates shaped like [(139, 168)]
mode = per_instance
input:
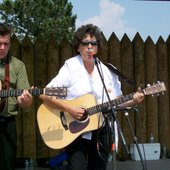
[(4, 45)]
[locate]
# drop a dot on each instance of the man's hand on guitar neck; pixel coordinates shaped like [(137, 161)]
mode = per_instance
[(138, 96), (25, 99)]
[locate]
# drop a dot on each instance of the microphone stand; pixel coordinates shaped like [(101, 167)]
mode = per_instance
[(125, 110), (111, 117), (135, 138)]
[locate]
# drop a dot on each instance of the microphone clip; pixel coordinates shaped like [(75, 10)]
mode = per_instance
[(125, 109)]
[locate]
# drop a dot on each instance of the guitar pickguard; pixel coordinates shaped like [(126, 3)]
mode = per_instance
[(77, 126)]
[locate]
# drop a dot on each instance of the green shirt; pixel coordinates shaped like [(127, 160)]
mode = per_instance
[(18, 80)]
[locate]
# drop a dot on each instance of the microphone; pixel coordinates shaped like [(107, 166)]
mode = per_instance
[(90, 53), (90, 50)]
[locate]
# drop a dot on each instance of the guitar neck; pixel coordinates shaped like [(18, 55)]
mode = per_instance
[(18, 92), (106, 106)]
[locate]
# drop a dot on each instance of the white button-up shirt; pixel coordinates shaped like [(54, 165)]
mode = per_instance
[(75, 77)]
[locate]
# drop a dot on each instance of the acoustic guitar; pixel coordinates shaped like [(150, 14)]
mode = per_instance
[(58, 128), (53, 91)]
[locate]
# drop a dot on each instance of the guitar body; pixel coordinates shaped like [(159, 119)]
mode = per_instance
[(3, 100), (59, 129)]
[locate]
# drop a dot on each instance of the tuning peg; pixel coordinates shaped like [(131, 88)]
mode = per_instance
[(148, 85)]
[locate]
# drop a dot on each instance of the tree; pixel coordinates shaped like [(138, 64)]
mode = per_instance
[(39, 17)]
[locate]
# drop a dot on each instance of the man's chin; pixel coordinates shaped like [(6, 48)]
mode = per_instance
[(90, 57)]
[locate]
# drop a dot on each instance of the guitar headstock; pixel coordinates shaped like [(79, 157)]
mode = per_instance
[(155, 89), (56, 91)]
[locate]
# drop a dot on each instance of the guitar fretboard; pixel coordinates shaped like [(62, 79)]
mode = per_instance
[(18, 92), (106, 106)]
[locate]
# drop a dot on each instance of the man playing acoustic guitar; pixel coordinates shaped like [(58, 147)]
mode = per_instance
[(12, 75), (81, 77)]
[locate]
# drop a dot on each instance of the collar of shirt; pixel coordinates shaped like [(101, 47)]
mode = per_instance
[(2, 62)]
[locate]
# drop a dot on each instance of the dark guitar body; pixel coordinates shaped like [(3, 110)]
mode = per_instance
[(3, 100)]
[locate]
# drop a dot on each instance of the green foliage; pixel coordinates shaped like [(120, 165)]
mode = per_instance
[(39, 17)]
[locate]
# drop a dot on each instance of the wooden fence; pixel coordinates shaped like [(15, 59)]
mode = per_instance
[(141, 61)]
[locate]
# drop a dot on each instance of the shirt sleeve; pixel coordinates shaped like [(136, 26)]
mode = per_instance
[(22, 79), (62, 79)]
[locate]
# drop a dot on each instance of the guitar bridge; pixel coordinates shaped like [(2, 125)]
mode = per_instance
[(63, 120)]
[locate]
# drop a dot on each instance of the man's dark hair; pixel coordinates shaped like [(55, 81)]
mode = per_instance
[(5, 29), (86, 29)]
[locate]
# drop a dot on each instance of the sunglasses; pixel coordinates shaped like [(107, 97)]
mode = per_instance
[(86, 43)]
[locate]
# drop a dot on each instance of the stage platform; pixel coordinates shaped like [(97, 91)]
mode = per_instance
[(161, 164)]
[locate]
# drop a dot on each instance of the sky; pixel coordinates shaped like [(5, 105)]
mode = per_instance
[(148, 18)]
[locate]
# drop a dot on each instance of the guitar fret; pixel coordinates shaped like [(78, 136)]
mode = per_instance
[(106, 106), (94, 109), (113, 102), (98, 108), (5, 93), (128, 97), (2, 93), (12, 92), (119, 101), (91, 111), (18, 92), (35, 91)]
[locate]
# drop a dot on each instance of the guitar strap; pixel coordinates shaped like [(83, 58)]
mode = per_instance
[(119, 74), (7, 78)]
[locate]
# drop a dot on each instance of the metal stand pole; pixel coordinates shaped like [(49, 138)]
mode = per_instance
[(111, 117), (135, 141)]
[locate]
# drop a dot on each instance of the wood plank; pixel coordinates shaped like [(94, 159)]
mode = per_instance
[(139, 72), (127, 70), (163, 100), (151, 77), (40, 77), (29, 133)]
